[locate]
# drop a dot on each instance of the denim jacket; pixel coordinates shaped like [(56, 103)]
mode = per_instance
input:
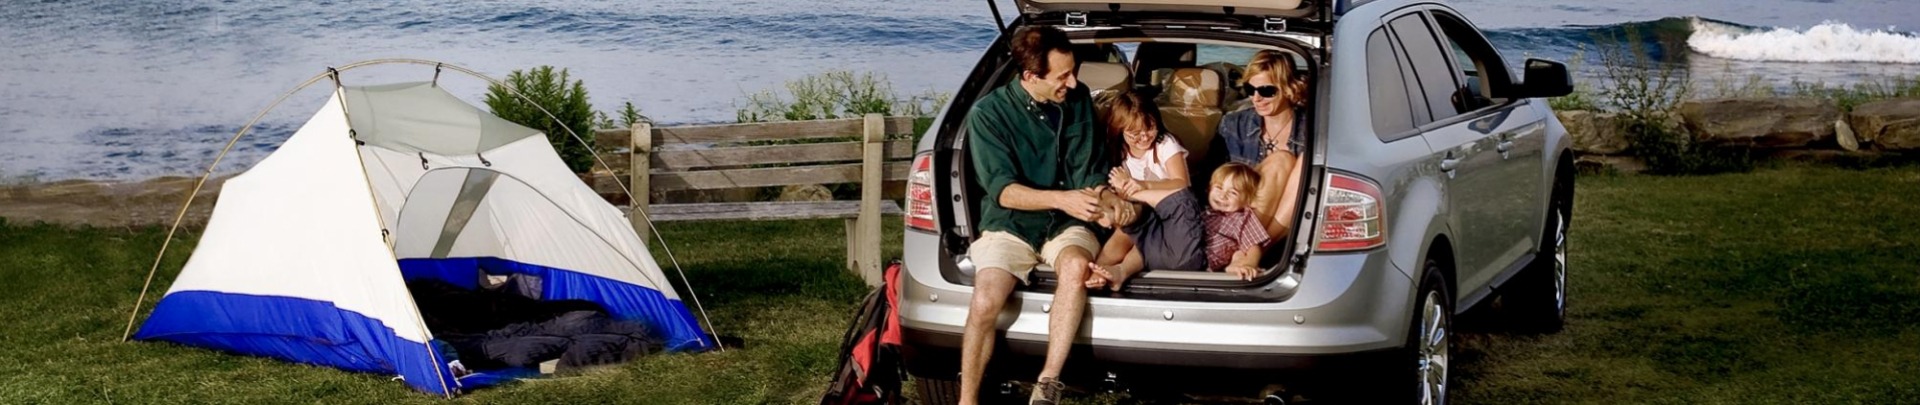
[(1242, 131)]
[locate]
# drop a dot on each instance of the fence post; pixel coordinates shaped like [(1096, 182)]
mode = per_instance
[(872, 167), (639, 161)]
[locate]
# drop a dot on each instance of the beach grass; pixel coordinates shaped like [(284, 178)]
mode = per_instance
[(1790, 284)]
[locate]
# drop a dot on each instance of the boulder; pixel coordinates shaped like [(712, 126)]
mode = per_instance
[(1593, 132), (1760, 122), (1892, 124), (1843, 133)]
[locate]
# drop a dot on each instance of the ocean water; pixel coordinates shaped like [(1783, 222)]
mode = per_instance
[(129, 89)]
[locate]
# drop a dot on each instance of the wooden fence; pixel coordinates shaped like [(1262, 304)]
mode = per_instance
[(869, 151)]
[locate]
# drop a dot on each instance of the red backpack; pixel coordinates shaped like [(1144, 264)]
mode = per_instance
[(870, 367)]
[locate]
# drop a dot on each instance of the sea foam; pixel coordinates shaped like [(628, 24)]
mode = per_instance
[(1827, 42)]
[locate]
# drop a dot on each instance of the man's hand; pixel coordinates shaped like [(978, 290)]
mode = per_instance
[(1082, 204), (1117, 210)]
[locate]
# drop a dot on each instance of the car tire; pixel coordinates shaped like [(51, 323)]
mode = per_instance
[(934, 391), (1537, 298), (1420, 374)]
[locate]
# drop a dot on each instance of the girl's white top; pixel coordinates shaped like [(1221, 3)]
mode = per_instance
[(1153, 166)]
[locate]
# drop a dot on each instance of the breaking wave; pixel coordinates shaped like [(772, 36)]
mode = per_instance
[(1824, 43)]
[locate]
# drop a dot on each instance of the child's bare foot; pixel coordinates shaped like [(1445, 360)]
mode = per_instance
[(1097, 276), (1113, 278)]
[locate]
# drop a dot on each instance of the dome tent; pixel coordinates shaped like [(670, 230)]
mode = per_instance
[(307, 253)]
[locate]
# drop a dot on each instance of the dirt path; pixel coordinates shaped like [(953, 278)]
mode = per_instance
[(107, 204)]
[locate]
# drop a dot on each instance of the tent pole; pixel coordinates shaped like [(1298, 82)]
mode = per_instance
[(373, 199)]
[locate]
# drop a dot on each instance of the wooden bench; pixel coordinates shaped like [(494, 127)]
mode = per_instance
[(713, 157)]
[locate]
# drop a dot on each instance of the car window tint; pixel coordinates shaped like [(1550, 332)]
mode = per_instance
[(1461, 60), (1422, 50), (1471, 51), (1387, 90)]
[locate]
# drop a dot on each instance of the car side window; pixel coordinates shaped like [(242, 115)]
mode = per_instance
[(1422, 50), (1479, 65), (1387, 89)]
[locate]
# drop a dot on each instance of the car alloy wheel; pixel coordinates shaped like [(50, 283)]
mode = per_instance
[(1434, 350), (1560, 262)]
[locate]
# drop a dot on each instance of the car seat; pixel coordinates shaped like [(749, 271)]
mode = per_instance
[(1105, 77), (1190, 109)]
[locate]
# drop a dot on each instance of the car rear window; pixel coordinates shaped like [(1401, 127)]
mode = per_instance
[(1429, 63), (1387, 89)]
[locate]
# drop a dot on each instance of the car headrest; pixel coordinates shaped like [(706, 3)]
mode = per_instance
[(1105, 76), (1192, 87)]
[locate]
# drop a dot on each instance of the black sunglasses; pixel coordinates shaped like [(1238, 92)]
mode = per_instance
[(1264, 91)]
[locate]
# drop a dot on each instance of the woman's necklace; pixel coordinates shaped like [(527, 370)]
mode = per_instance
[(1267, 144)]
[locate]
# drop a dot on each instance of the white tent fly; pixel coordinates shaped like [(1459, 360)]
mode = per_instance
[(307, 254)]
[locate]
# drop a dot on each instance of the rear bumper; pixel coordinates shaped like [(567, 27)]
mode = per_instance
[(938, 353), (1348, 305)]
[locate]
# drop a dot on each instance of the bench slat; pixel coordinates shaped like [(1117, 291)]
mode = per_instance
[(763, 211), (608, 140), (676, 160), (603, 183), (617, 139), (772, 176)]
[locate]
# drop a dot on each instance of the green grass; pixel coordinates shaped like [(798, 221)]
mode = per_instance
[(779, 285), (1788, 285), (1791, 284)]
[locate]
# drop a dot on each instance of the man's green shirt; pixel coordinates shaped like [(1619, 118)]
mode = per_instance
[(1016, 140)]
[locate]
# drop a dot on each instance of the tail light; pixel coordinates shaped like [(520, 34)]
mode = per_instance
[(1353, 218), (920, 193)]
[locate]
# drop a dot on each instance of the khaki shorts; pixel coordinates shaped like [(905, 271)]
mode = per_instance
[(1001, 250)]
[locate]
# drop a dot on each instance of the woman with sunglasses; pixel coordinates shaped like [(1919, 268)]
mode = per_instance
[(1269, 134)]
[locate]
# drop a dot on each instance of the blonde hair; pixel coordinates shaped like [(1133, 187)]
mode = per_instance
[(1239, 177), (1293, 89)]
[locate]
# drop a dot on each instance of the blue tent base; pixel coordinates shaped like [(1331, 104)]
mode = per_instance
[(492, 378), (308, 331), (668, 318), (295, 330)]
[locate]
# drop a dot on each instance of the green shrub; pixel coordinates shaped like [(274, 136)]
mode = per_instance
[(630, 115), (566, 99), (1725, 85), (835, 94), (1582, 98), (1848, 97), (1645, 93)]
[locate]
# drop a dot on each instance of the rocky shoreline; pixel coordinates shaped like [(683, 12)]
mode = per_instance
[(107, 204), (1804, 129)]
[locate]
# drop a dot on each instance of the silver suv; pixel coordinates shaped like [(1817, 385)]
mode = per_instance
[(1436, 180)]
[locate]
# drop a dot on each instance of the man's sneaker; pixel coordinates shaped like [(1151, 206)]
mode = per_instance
[(1046, 391)]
